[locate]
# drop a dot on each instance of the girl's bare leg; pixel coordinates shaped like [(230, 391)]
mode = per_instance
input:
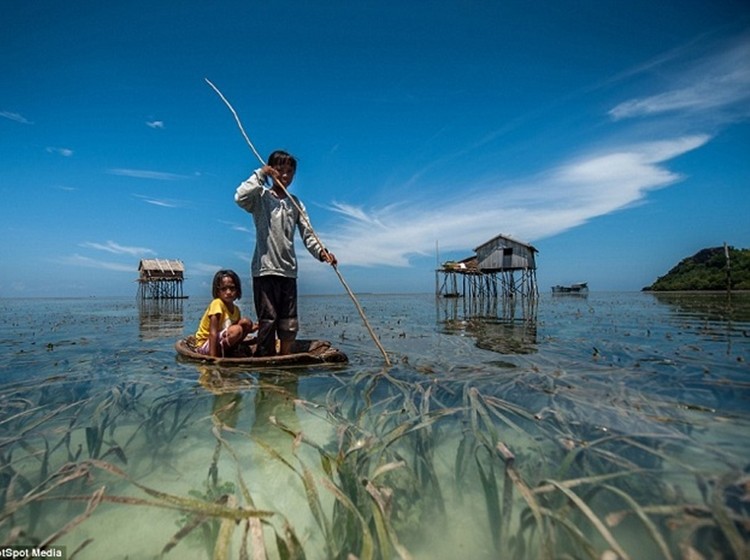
[(235, 334)]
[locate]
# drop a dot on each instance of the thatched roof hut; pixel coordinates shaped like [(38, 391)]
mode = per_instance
[(161, 269), (160, 278)]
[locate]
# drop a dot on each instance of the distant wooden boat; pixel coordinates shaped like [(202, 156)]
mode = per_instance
[(579, 288), (305, 353)]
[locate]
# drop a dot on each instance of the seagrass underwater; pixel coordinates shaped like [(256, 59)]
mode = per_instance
[(615, 423)]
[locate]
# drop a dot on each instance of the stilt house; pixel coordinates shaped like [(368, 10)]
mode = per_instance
[(160, 279), (502, 266), (513, 262), (502, 253)]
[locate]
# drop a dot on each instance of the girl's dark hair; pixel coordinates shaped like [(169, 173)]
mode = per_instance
[(280, 157), (217, 282)]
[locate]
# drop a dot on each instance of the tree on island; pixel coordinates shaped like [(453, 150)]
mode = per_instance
[(707, 270)]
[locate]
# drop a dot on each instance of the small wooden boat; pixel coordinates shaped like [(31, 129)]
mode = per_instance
[(579, 288), (305, 353)]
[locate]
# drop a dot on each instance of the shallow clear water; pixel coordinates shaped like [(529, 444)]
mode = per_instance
[(626, 414)]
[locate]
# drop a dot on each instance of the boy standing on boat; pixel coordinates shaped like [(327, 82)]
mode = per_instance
[(274, 265)]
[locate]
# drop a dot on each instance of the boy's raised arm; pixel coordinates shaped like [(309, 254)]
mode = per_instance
[(250, 190)]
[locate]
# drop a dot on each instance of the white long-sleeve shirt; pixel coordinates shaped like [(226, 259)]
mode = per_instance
[(275, 221)]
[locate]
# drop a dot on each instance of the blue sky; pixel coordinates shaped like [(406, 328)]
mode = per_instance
[(613, 136)]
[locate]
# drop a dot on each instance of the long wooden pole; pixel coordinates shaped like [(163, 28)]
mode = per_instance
[(309, 225)]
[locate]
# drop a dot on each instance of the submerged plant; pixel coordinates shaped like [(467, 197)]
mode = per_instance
[(483, 461)]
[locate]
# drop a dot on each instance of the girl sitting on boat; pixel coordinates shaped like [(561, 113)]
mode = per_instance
[(222, 326)]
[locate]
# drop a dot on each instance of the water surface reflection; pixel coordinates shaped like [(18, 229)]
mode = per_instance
[(616, 424)]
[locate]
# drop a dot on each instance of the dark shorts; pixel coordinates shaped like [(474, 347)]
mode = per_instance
[(276, 307)]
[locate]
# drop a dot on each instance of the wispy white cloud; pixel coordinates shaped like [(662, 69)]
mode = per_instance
[(716, 81), (236, 227), (203, 269), (529, 209), (595, 184), (155, 124), (163, 202), (146, 174), (15, 117), (355, 214), (78, 260), (65, 152), (116, 248)]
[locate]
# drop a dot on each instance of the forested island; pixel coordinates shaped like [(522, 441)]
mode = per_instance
[(706, 270)]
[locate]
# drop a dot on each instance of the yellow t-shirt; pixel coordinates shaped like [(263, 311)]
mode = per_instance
[(216, 307)]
